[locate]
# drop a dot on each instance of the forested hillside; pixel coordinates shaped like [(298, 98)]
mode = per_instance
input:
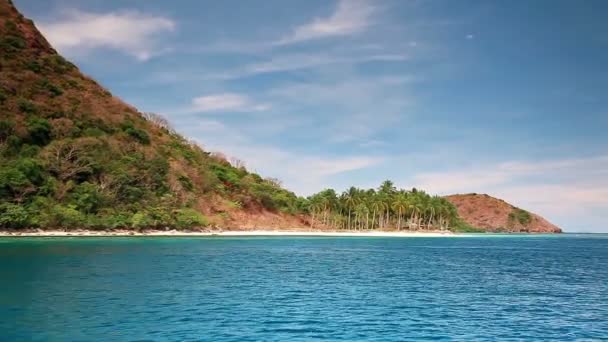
[(74, 155)]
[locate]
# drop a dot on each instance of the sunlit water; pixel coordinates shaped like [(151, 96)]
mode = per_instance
[(304, 289)]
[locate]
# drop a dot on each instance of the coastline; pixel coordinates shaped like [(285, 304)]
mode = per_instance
[(225, 233)]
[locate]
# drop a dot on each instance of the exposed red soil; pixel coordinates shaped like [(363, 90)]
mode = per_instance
[(493, 215)]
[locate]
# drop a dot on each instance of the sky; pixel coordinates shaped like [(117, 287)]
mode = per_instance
[(508, 98)]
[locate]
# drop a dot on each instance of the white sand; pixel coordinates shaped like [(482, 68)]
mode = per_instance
[(233, 233)]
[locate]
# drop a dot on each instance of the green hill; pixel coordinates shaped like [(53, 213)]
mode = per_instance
[(73, 155)]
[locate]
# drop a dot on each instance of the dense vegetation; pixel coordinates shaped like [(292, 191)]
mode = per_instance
[(384, 208), (74, 156)]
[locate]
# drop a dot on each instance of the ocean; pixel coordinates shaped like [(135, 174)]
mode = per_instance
[(474, 288)]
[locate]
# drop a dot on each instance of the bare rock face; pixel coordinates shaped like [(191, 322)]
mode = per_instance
[(495, 215)]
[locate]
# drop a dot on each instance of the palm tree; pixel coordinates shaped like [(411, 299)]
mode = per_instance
[(377, 207), (386, 205), (399, 205), (387, 187), (416, 208), (350, 201), (314, 207), (360, 211)]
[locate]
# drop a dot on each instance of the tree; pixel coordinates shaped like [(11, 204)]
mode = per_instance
[(69, 158), (377, 207), (399, 205), (350, 200), (39, 131), (158, 121)]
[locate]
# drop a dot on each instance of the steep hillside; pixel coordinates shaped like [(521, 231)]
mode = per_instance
[(495, 215), (72, 155)]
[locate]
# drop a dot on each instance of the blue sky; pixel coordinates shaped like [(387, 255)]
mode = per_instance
[(507, 98)]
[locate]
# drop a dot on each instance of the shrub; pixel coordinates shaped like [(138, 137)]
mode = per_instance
[(51, 88), (186, 182), (13, 182), (141, 220), (12, 43), (13, 144), (26, 106), (139, 135), (87, 198), (112, 219), (29, 151), (14, 216), (190, 218), (34, 66), (7, 128), (11, 27), (31, 169), (39, 131), (67, 216), (520, 215), (93, 132), (58, 64), (235, 204)]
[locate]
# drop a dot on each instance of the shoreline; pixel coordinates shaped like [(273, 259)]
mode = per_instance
[(226, 233)]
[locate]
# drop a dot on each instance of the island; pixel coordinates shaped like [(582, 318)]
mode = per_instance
[(75, 158)]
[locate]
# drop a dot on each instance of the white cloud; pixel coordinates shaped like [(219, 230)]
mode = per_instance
[(469, 36), (130, 32), (349, 17), (226, 102)]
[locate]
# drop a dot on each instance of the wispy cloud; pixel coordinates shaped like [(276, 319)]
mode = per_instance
[(210, 126), (280, 63), (300, 172), (570, 170), (561, 189), (130, 32), (349, 17), (303, 61), (350, 108), (227, 102)]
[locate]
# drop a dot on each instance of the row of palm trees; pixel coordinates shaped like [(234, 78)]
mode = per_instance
[(382, 208)]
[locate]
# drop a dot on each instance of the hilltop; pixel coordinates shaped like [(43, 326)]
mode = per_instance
[(495, 215)]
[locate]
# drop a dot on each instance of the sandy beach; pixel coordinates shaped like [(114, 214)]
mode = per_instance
[(85, 233)]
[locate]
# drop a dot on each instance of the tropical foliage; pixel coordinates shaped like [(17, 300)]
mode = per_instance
[(383, 208)]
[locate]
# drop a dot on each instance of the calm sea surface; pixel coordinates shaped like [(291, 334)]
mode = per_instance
[(304, 289)]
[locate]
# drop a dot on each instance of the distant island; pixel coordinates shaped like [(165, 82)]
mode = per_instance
[(73, 156)]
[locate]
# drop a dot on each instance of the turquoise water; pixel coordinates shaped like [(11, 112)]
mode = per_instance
[(304, 289)]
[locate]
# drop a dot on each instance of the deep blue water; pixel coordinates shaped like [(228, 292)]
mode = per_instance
[(304, 289)]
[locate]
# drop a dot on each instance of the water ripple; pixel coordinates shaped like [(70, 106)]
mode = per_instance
[(304, 289)]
